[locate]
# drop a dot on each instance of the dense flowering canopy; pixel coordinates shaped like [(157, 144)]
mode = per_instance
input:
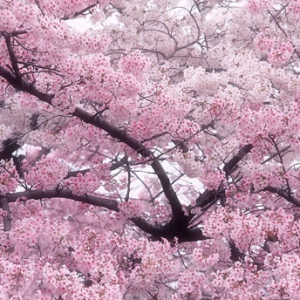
[(154, 154)]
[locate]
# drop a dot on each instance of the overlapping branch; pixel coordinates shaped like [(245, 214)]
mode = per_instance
[(122, 136), (211, 196), (156, 232), (179, 223), (22, 85), (67, 194)]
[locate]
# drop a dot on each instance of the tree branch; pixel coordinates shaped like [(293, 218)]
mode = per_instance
[(156, 232), (179, 220), (210, 196), (22, 85), (124, 137), (38, 194), (13, 59), (282, 193), (115, 132), (6, 219), (236, 159)]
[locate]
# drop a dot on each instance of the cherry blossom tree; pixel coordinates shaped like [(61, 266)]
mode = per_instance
[(153, 155)]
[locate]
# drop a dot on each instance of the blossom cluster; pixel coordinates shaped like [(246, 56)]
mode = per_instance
[(180, 119), (278, 51), (131, 209), (47, 173), (134, 63), (8, 177), (82, 184), (257, 6)]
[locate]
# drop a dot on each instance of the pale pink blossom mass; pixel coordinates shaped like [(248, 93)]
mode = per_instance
[(153, 155)]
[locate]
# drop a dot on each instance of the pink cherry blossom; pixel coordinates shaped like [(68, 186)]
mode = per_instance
[(151, 152)]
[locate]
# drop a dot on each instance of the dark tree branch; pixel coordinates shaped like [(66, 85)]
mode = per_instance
[(81, 12), (236, 159), (211, 196), (22, 85), (18, 32), (75, 173), (8, 147), (124, 137), (147, 227), (113, 167), (236, 254), (282, 193), (115, 132), (178, 225), (119, 163), (13, 59), (6, 219), (156, 232), (39, 194), (170, 231)]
